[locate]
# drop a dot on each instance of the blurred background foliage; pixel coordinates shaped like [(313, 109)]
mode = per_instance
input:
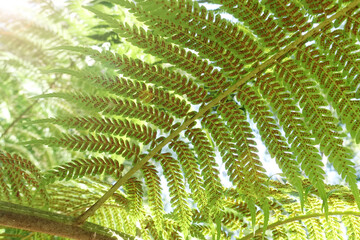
[(26, 38)]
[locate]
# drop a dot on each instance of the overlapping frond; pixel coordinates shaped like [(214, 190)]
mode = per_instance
[(134, 191), (258, 20), (289, 15), (85, 167), (20, 179), (275, 142), (320, 9), (344, 51), (110, 126), (152, 182), (176, 185), (332, 228), (186, 60), (214, 47), (191, 170), (337, 92), (142, 92), (352, 230), (296, 131), (246, 152), (185, 109), (93, 143), (207, 163), (122, 107)]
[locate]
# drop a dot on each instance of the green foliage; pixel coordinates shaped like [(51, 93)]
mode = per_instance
[(168, 98)]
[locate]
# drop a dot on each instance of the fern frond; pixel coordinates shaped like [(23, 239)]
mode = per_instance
[(207, 163), (202, 70), (239, 206), (149, 231), (318, 118), (160, 77), (152, 182), (297, 134), (352, 229), (157, 46), (83, 167), (143, 93), (172, 228), (114, 218), (344, 51), (279, 233), (111, 126), (178, 194), (332, 228), (19, 177), (296, 231), (338, 155), (134, 192), (214, 47), (246, 151), (197, 231), (320, 8), (18, 44), (116, 106), (68, 198), (191, 170), (314, 228), (227, 149), (289, 15), (238, 170), (133, 89), (233, 221), (352, 23), (204, 230), (259, 21), (5, 188), (337, 92), (271, 135), (94, 143), (142, 71)]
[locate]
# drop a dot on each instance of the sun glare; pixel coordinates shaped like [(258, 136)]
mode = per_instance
[(13, 5)]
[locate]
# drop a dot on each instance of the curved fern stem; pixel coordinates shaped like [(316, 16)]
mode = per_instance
[(82, 218), (297, 218)]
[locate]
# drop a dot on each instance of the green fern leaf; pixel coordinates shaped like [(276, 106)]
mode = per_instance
[(106, 125), (296, 131), (116, 106), (94, 143), (352, 230), (191, 170), (178, 195), (205, 74), (207, 164), (19, 177), (334, 87), (152, 181), (134, 191), (83, 167), (276, 144), (253, 173), (259, 21), (289, 15)]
